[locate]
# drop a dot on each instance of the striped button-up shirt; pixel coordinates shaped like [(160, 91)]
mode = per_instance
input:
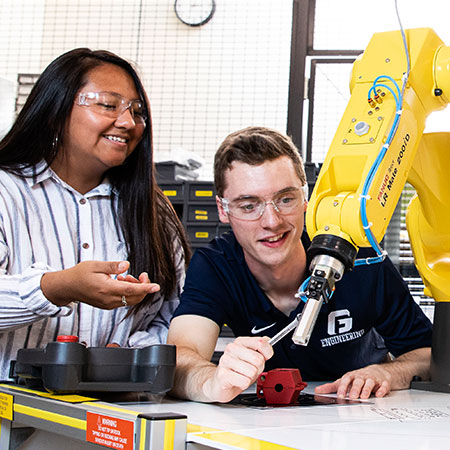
[(45, 225)]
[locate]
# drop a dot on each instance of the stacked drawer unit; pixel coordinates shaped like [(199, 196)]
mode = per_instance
[(202, 219), (175, 192), (195, 204)]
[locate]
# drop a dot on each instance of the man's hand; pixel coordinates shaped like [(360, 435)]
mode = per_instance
[(241, 363), (380, 379), (91, 282), (360, 383), (196, 377)]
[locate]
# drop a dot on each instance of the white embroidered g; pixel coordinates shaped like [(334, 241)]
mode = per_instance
[(343, 325)]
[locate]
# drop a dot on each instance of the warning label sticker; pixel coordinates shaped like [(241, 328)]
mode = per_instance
[(6, 406), (110, 431)]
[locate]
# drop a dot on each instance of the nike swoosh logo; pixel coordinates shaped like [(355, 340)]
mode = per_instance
[(258, 330)]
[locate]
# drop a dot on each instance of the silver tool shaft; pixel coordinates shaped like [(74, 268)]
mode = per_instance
[(306, 324), (280, 335)]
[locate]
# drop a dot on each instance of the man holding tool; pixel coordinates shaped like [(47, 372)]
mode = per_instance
[(249, 279)]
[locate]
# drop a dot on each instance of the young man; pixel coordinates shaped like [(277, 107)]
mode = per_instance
[(248, 279)]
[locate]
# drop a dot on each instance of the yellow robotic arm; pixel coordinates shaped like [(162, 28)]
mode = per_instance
[(428, 223), (370, 158), (335, 202)]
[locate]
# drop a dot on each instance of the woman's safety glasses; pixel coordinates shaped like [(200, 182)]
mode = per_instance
[(112, 105)]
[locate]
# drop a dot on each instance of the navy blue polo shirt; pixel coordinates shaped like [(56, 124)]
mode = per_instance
[(370, 313)]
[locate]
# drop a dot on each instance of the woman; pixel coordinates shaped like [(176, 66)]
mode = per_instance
[(80, 213)]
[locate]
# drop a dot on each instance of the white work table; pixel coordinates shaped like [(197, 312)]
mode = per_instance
[(409, 419)]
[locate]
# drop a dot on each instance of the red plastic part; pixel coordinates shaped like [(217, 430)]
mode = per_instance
[(66, 338), (280, 386)]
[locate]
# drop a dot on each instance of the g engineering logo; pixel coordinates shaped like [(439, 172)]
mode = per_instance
[(339, 328)]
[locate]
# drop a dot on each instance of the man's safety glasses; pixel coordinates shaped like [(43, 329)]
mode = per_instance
[(252, 208), (110, 104)]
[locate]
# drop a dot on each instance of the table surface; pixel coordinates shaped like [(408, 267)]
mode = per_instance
[(404, 420), (409, 419)]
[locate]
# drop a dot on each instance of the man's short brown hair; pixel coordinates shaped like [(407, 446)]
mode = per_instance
[(254, 146)]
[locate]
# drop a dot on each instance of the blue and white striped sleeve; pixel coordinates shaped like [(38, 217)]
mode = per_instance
[(22, 299)]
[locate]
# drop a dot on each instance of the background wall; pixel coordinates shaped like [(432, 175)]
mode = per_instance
[(203, 82), (340, 26)]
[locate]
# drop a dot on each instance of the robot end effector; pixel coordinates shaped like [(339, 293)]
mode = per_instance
[(331, 257)]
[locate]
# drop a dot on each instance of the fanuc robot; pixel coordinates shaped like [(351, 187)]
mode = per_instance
[(379, 145)]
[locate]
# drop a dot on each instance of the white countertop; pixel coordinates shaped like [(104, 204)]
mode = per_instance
[(409, 419)]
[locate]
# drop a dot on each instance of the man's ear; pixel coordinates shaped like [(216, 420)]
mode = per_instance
[(223, 216), (305, 205)]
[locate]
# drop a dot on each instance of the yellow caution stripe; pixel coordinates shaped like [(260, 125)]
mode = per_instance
[(113, 408), (233, 439), (192, 428), (50, 417), (143, 434), (69, 398), (169, 434)]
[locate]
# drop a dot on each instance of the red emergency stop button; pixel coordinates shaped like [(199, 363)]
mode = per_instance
[(66, 338)]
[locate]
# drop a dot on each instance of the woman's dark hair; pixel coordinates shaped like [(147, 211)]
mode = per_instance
[(149, 223)]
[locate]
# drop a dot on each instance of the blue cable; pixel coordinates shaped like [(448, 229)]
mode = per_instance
[(373, 170), (375, 165), (301, 291), (374, 89), (391, 80)]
